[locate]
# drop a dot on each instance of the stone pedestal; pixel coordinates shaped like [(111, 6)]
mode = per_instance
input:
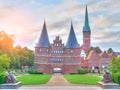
[(10, 85), (108, 85)]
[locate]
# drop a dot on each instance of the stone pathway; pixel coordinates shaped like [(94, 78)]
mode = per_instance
[(58, 80), (34, 87)]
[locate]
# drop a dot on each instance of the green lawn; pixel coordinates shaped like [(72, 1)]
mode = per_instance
[(83, 79), (34, 79)]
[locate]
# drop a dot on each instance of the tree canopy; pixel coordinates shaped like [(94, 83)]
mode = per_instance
[(115, 64), (97, 49), (110, 50), (4, 62), (17, 56)]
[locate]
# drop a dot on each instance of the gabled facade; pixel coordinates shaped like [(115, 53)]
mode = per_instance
[(94, 59), (57, 57)]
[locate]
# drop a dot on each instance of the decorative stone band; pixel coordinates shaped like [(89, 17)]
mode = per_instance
[(58, 63)]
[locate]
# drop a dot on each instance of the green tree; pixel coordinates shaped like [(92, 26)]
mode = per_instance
[(97, 49), (22, 57), (4, 62), (115, 67), (115, 64), (110, 50), (19, 56), (91, 48), (29, 56)]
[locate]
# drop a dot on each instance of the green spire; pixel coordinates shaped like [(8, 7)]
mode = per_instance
[(86, 27)]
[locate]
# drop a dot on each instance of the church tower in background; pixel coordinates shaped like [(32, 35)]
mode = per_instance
[(86, 33), (59, 58)]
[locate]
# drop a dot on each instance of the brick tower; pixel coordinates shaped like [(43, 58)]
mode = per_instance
[(86, 33), (42, 50)]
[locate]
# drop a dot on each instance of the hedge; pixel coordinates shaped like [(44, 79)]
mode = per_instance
[(33, 71), (116, 77), (2, 78), (72, 73), (82, 71)]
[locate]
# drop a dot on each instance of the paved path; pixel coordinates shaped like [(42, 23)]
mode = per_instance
[(62, 88), (57, 82)]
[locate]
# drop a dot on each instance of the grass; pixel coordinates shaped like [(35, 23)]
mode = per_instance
[(83, 79), (34, 79)]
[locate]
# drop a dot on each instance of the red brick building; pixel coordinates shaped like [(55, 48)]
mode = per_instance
[(57, 57)]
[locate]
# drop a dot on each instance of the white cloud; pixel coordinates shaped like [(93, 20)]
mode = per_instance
[(103, 17)]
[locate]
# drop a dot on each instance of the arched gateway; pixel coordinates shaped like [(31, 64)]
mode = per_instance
[(57, 70), (67, 58), (57, 57)]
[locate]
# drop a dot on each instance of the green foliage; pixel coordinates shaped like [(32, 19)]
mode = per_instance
[(19, 56), (73, 73), (116, 77), (97, 49), (2, 77), (115, 68), (110, 50), (34, 79), (22, 57), (82, 71), (4, 62), (91, 48), (33, 71), (83, 79), (115, 65)]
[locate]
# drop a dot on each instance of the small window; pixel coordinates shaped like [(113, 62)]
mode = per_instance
[(40, 50), (71, 51)]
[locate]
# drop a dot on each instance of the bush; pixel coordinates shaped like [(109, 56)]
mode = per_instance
[(72, 73), (116, 77), (115, 65), (2, 78), (33, 71), (112, 76), (82, 71)]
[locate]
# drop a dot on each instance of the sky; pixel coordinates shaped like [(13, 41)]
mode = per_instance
[(24, 19)]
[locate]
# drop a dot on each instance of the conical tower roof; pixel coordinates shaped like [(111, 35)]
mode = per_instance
[(44, 40), (72, 41), (86, 27)]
